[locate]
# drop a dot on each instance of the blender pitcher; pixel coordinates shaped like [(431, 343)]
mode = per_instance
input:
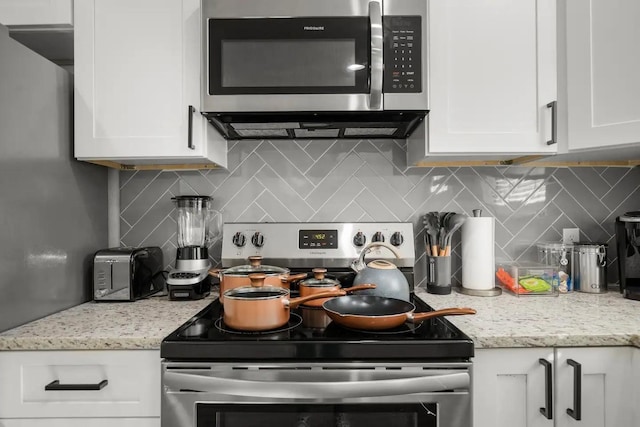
[(198, 225)]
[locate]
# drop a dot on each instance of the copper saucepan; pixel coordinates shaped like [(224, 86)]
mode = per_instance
[(261, 308), (319, 283), (374, 313), (238, 276)]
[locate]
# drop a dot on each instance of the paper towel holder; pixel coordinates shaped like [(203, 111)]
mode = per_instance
[(477, 213)]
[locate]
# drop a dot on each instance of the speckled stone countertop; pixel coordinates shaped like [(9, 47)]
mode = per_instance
[(104, 326), (572, 320)]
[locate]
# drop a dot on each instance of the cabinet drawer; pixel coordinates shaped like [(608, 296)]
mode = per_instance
[(41, 384), (81, 422)]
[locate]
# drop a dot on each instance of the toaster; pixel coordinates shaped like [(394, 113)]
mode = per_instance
[(127, 274)]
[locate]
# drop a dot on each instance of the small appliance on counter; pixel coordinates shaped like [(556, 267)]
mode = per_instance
[(628, 245), (127, 274), (197, 224), (590, 267)]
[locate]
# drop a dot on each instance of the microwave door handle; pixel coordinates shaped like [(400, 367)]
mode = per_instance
[(375, 17), (176, 381)]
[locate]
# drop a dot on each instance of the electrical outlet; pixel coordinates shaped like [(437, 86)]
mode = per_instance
[(570, 235)]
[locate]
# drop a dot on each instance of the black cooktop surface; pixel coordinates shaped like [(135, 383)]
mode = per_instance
[(310, 335)]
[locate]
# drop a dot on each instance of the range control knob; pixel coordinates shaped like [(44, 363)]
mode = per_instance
[(396, 239), (239, 240), (257, 239), (377, 237), (359, 239)]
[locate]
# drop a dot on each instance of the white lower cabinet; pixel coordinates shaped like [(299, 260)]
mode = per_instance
[(101, 388), (586, 386)]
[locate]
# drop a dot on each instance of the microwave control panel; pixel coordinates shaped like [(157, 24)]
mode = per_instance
[(402, 54)]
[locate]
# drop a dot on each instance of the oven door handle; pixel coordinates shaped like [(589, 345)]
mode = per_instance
[(375, 17), (177, 381)]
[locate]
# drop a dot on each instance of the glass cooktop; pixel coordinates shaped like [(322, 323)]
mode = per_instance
[(310, 335)]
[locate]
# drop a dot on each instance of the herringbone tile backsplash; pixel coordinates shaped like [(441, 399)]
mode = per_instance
[(346, 180)]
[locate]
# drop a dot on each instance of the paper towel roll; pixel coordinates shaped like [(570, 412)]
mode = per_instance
[(478, 253)]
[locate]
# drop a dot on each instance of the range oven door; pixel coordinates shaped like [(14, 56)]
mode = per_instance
[(306, 395)]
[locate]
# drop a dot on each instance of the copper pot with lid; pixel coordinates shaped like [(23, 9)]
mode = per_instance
[(320, 283), (238, 276), (260, 307)]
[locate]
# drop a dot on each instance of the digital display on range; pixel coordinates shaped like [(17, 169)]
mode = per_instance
[(318, 239)]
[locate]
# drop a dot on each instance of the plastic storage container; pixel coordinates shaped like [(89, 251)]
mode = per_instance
[(528, 279), (558, 255)]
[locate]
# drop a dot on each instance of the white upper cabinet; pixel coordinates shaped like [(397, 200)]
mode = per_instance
[(137, 84), (492, 73), (50, 13), (603, 65)]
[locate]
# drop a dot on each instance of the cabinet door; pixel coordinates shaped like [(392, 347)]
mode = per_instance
[(600, 379), (492, 72), (137, 76), (49, 13), (603, 88), (635, 381), (510, 387)]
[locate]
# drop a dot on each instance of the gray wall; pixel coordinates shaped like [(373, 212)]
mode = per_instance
[(327, 180), (52, 208)]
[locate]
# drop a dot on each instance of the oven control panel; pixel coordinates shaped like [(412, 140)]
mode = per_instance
[(317, 244), (402, 54)]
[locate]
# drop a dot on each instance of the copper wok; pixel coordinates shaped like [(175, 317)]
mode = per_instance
[(374, 313)]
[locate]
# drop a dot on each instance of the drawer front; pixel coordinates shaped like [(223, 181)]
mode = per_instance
[(81, 422), (42, 384)]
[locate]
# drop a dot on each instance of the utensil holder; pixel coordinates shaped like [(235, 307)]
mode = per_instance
[(439, 275)]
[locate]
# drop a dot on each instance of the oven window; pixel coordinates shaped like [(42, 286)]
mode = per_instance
[(288, 55), (299, 415)]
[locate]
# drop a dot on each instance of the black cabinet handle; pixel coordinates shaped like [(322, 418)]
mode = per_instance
[(547, 411), (56, 386), (554, 123), (576, 412), (190, 136)]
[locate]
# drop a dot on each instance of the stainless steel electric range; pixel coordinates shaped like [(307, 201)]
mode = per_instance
[(312, 372)]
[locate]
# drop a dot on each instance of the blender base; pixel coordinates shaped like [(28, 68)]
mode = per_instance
[(188, 285)]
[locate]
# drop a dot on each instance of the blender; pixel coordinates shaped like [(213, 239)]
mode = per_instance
[(198, 224)]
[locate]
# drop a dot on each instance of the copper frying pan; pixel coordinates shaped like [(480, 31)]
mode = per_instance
[(374, 313)]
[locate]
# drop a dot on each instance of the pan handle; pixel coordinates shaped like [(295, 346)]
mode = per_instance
[(419, 317), (362, 287), (305, 389), (294, 302)]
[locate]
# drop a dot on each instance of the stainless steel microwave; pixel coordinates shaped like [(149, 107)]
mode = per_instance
[(308, 68)]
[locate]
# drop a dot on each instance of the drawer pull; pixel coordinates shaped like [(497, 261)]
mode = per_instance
[(56, 386)]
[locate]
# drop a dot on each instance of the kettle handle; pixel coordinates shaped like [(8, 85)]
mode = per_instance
[(358, 264)]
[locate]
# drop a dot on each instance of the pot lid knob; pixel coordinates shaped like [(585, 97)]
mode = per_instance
[(257, 279), (255, 260), (318, 273)]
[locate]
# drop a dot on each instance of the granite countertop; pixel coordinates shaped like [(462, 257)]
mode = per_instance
[(105, 326), (574, 319)]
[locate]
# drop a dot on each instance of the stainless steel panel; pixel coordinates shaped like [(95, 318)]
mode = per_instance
[(281, 243), (289, 102), (283, 8), (411, 101), (53, 215)]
